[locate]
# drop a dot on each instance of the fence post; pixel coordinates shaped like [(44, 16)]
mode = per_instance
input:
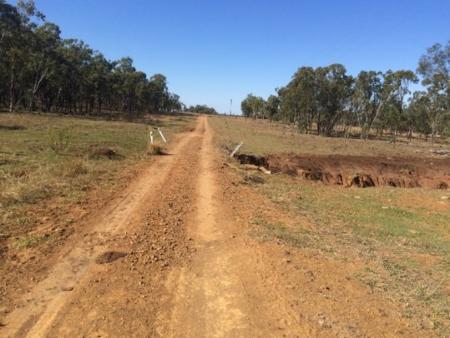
[(162, 135)]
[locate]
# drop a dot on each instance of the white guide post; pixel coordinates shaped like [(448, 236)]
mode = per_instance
[(151, 137), (236, 149), (162, 135)]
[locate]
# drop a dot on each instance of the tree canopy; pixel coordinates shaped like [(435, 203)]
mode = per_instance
[(326, 99), (41, 71), (202, 109)]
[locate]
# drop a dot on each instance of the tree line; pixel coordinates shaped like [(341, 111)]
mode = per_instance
[(39, 70), (329, 101), (202, 109)]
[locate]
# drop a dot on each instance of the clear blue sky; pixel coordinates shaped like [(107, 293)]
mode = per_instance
[(212, 51)]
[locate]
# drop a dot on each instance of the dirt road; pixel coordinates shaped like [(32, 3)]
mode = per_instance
[(163, 259), (174, 256)]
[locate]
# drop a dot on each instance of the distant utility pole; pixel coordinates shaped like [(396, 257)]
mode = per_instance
[(231, 103)]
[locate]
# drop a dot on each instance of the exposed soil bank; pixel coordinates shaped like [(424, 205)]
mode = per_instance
[(359, 171)]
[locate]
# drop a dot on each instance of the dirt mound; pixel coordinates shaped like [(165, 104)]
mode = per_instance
[(359, 171), (104, 152)]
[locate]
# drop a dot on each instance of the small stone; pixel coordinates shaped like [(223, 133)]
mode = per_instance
[(427, 324), (67, 288)]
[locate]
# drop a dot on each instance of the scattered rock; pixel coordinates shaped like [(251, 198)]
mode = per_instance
[(427, 324), (67, 288), (109, 257), (441, 152)]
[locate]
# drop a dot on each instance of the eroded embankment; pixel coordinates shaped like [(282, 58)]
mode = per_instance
[(358, 171)]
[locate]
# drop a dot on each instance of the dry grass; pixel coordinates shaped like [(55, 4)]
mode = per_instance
[(155, 149), (263, 137)]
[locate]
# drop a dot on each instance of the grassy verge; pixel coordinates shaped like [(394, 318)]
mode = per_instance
[(402, 236), (263, 137), (44, 157)]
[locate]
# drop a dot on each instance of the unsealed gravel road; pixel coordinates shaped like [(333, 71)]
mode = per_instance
[(173, 263)]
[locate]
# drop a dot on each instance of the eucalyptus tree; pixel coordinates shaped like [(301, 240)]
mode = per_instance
[(202, 109), (298, 100), (334, 92), (396, 89), (253, 106), (367, 99), (417, 114), (434, 67), (272, 107), (43, 57)]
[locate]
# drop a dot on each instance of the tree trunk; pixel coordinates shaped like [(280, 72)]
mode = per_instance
[(433, 132), (12, 88), (37, 83)]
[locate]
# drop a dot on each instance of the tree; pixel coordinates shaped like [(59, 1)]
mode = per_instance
[(298, 100), (434, 67), (253, 106), (393, 95), (43, 59), (334, 91), (417, 113), (272, 107), (367, 99), (202, 109)]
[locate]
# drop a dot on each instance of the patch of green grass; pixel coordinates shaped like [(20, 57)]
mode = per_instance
[(368, 213), (370, 224), (29, 241), (298, 237)]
